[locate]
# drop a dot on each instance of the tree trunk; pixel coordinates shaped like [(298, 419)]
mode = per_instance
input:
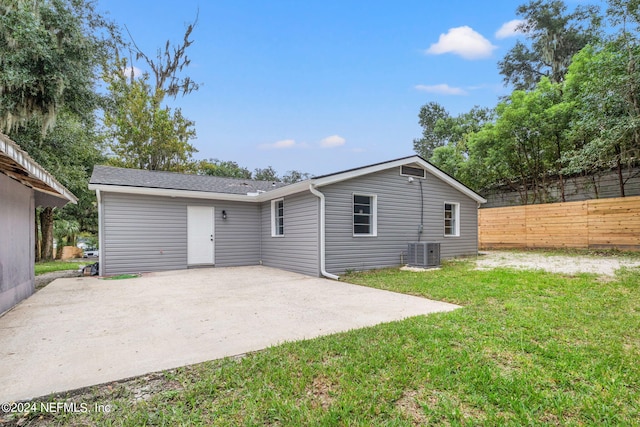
[(620, 178), (559, 154), (37, 246), (46, 225), (596, 188), (619, 167)]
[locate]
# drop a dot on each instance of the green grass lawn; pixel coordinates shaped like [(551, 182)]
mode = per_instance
[(50, 266), (528, 348)]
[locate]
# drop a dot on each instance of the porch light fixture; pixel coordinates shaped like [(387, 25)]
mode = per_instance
[(224, 214)]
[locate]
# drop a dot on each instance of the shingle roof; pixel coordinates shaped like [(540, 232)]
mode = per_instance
[(110, 175)]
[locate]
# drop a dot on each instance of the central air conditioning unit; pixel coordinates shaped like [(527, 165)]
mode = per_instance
[(423, 254)]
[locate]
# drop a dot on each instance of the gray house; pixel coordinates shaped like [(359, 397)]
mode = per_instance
[(351, 220), (24, 185)]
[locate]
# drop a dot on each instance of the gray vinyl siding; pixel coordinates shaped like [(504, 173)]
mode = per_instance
[(149, 233), (398, 220), (298, 249)]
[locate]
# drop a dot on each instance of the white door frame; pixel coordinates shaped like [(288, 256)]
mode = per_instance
[(200, 235)]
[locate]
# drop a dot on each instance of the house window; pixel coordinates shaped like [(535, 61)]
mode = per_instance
[(451, 219), (277, 217), (364, 215)]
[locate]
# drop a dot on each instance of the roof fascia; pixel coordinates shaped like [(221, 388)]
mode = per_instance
[(13, 151), (106, 188), (284, 191)]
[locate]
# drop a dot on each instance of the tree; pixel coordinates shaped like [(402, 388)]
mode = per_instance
[(430, 116), (215, 167), (49, 56), (146, 134), (66, 232), (266, 174), (440, 129), (294, 176), (169, 63), (451, 133), (605, 86), (554, 37), (51, 52), (524, 147), (68, 151)]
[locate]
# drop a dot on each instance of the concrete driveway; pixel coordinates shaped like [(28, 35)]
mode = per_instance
[(84, 331)]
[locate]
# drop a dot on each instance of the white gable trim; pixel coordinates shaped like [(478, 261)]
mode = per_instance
[(332, 179)]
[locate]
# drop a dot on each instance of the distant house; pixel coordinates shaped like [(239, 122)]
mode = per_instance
[(24, 185), (357, 219)]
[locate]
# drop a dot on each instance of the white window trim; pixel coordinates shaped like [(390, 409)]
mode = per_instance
[(374, 214), (274, 216), (456, 219)]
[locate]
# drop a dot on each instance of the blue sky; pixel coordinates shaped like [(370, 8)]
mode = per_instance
[(321, 86)]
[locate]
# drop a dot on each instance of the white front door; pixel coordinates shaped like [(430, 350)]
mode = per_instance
[(200, 241)]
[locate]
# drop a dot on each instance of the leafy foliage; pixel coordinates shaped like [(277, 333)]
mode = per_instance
[(49, 56), (525, 143), (573, 112), (266, 174), (146, 135), (554, 35), (431, 117), (68, 151), (295, 176), (215, 167), (229, 169)]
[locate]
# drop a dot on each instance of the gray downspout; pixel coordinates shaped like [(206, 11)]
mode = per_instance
[(323, 270)]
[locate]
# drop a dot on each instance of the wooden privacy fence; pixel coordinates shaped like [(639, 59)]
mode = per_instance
[(598, 223)]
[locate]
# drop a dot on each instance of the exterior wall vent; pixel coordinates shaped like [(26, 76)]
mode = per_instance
[(423, 254), (413, 171)]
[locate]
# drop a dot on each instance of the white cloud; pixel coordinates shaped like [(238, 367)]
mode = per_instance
[(463, 41), (285, 143), (332, 141), (509, 29), (137, 72), (442, 89)]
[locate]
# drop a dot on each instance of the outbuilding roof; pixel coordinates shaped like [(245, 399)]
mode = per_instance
[(109, 175), (17, 164)]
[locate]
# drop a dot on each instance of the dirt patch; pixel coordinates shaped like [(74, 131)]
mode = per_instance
[(414, 404), (321, 391), (409, 406), (563, 264), (43, 280), (134, 390)]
